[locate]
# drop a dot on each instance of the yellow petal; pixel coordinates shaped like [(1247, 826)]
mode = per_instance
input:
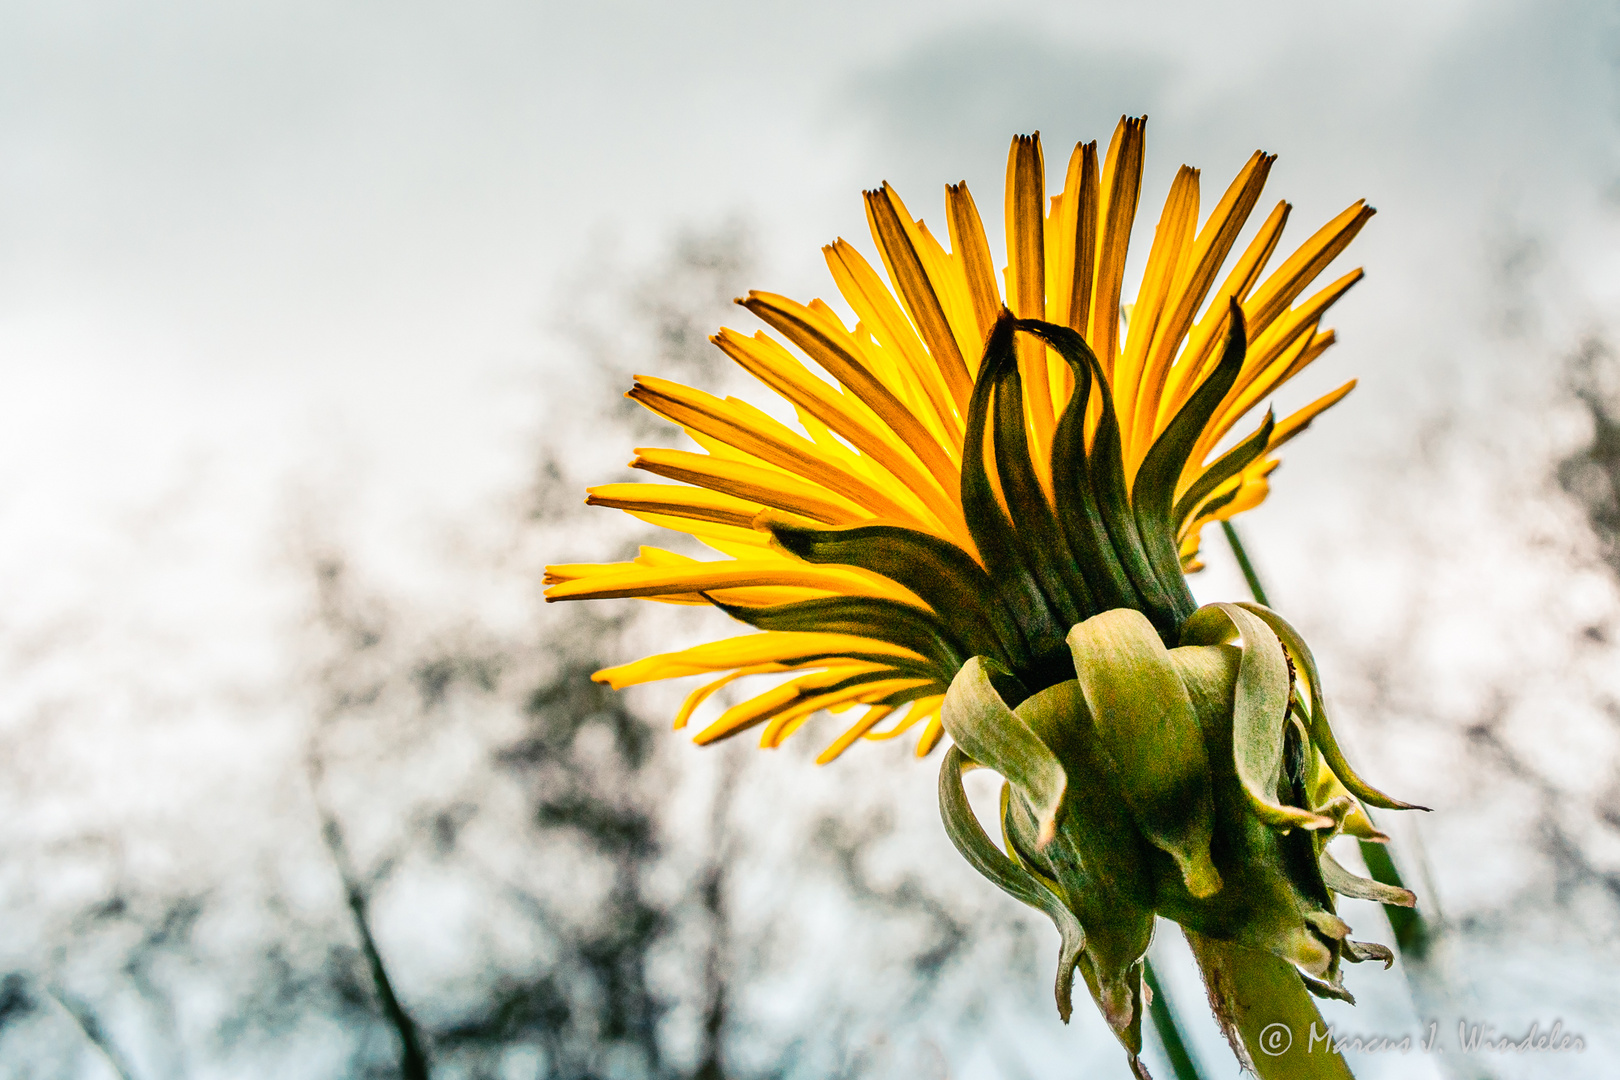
[(1202, 352), (741, 425), (752, 596), (1299, 421), (905, 717), (780, 647), (1071, 255), (1319, 345), (931, 733), (749, 482), (895, 233), (794, 693), (1120, 188), (776, 368), (1026, 289), (870, 719), (786, 722), (1273, 359), (1279, 290), (674, 501), (969, 245), (1073, 242), (824, 340), (1214, 243), (738, 543), (877, 310), (615, 580), (1136, 390), (697, 697), (949, 278), (1266, 346)]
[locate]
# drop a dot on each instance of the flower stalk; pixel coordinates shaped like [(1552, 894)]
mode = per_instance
[(1265, 1012)]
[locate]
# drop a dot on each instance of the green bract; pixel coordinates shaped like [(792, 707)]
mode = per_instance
[(1195, 783), (1160, 760)]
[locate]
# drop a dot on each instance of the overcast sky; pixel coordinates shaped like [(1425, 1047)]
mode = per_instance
[(237, 231)]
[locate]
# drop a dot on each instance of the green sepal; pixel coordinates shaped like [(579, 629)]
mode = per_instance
[(1225, 467), (1321, 730), (1345, 883), (1149, 730), (1044, 547), (1120, 930), (990, 733), (1010, 575), (1154, 488), (969, 837), (1220, 501), (1328, 925), (1100, 855), (1324, 989), (1105, 466), (1078, 514), (1259, 709), (944, 576), (1098, 858), (1120, 1002), (873, 617), (1021, 852), (1263, 902), (1359, 952)]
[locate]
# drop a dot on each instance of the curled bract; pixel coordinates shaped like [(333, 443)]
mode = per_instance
[(1194, 783)]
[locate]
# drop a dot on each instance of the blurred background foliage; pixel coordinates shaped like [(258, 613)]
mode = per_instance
[(479, 863), (457, 856)]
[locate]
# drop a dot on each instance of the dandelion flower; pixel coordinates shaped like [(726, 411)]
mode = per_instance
[(981, 527)]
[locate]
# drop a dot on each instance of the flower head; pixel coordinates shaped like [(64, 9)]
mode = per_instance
[(982, 525), (940, 501)]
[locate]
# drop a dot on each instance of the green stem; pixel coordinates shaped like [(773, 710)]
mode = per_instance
[(1168, 1028), (1255, 588), (1268, 1016)]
